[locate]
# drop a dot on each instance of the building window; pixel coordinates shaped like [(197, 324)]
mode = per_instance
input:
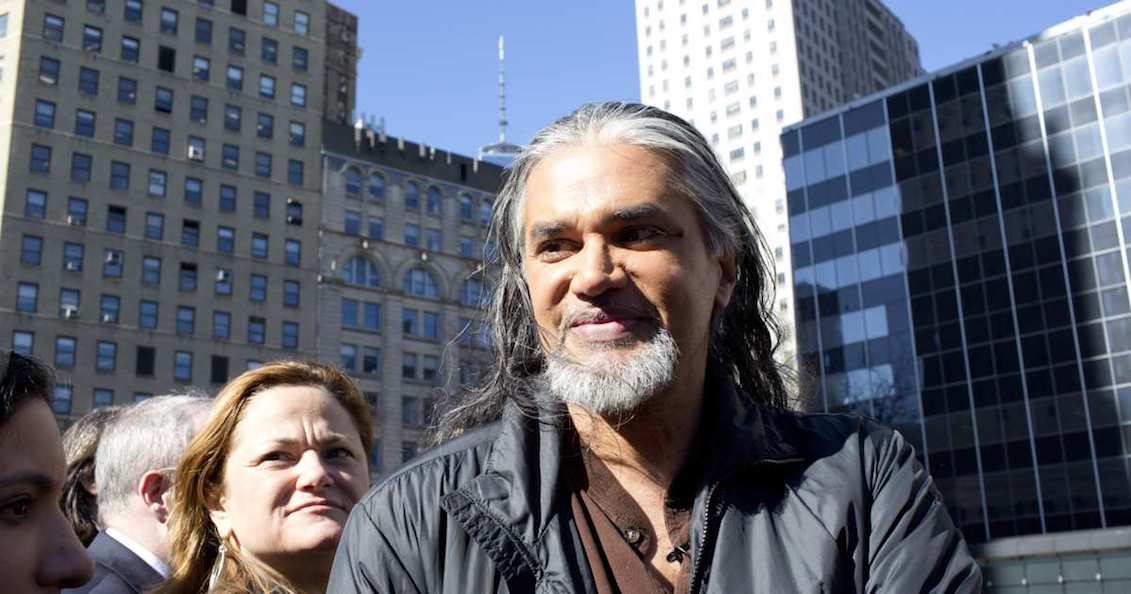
[(412, 196), (35, 204), (256, 330), (230, 156), (219, 372), (81, 165), (119, 175), (261, 205), (235, 78), (294, 212), (76, 211), (265, 125), (266, 86), (233, 117), (147, 315), (145, 363), (103, 397), (302, 22), (408, 365), (201, 68), (112, 263), (182, 366), (53, 28), (297, 133), (198, 109), (485, 212), (237, 41), (91, 39), (106, 356), (433, 239), (290, 335), (298, 95), (154, 226), (158, 182), (187, 278), (88, 81), (69, 301), (269, 51), (258, 288), (434, 202), (225, 240), (163, 100), (295, 173), (168, 21), (44, 113), (109, 307), (347, 357), (166, 58), (133, 11), (203, 31), (259, 245), (292, 252), (27, 297), (471, 293), (186, 320), (353, 223), (223, 282), (360, 271), (271, 14), (228, 198), (291, 292), (150, 271), (300, 59), (421, 283), (31, 250), (467, 247), (190, 233), (263, 164), (123, 132), (377, 186), (40, 159), (61, 397), (221, 325), (131, 49), (466, 208), (412, 234), (194, 191), (127, 91), (376, 228), (65, 347), (48, 70), (23, 342)]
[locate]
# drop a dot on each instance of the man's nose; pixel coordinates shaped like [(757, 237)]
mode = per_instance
[(597, 270), (64, 562)]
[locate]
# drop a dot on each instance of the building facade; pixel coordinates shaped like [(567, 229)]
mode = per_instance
[(739, 70), (161, 189), (400, 294), (960, 264)]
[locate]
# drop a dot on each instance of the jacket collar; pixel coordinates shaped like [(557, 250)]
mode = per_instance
[(518, 508), (118, 559)]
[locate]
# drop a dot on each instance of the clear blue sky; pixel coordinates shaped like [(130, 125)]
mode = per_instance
[(429, 68)]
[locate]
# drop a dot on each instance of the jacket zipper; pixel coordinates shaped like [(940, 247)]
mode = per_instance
[(696, 566)]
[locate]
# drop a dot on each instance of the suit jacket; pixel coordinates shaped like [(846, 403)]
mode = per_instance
[(117, 570)]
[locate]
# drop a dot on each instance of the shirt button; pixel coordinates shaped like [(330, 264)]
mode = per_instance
[(632, 535)]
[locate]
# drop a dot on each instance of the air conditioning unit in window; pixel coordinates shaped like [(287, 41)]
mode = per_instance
[(71, 265), (107, 318), (364, 244), (113, 257), (70, 312), (195, 153), (223, 276), (76, 221)]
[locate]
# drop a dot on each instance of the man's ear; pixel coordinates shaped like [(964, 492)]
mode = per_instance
[(152, 489), (728, 263)]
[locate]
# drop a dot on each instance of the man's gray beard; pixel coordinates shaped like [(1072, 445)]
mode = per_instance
[(609, 385)]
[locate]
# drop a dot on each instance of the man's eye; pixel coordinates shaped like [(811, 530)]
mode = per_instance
[(16, 510), (552, 249), (635, 234)]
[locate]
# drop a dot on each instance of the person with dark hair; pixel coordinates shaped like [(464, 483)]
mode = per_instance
[(80, 496), (634, 434), (38, 550)]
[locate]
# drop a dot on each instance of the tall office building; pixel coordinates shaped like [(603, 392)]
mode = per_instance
[(400, 294), (161, 189), (741, 69), (960, 257)]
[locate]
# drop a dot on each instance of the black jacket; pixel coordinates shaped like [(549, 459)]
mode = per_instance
[(818, 503), (117, 570)]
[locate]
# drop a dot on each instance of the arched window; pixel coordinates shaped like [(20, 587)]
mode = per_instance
[(466, 207), (377, 186), (471, 293), (360, 271), (412, 196), (435, 201), (485, 212), (421, 283), (353, 181)]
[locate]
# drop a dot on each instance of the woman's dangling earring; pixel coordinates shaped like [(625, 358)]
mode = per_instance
[(217, 567)]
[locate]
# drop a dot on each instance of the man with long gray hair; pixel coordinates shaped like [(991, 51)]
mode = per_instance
[(633, 436), (133, 472)]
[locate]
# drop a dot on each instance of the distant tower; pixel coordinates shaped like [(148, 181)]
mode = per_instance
[(502, 152)]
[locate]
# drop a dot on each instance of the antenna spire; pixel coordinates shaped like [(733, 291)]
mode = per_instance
[(502, 95)]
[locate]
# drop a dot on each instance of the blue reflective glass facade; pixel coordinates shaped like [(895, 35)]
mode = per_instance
[(960, 256)]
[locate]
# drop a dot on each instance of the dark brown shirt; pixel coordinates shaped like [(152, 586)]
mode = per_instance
[(617, 536)]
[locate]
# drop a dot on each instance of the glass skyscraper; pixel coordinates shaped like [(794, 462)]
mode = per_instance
[(960, 253)]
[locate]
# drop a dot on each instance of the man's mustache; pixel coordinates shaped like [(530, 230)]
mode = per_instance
[(598, 312)]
